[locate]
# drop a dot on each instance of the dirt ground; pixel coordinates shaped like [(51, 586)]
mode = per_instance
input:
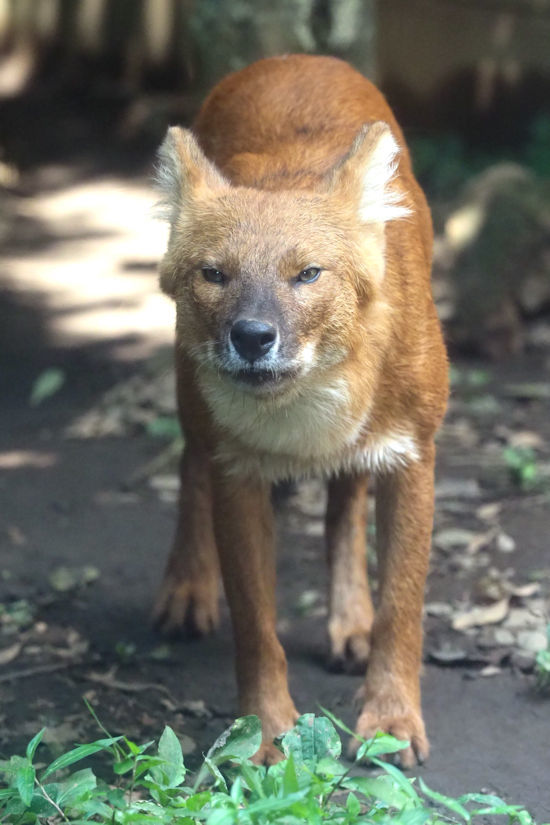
[(86, 523)]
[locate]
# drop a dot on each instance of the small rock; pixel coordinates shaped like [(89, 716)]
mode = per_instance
[(528, 391), (503, 637), (533, 641), (454, 537), (490, 670), (486, 639), (520, 617), (310, 498), (63, 579), (168, 496), (538, 335), (307, 601), (491, 587), (489, 512), (165, 482), (467, 562), (188, 745), (505, 543), (448, 654), (522, 660), (438, 609), (456, 507), (314, 527), (538, 609), (196, 708), (457, 488)]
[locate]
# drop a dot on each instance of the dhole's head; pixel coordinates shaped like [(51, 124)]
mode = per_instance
[(273, 285)]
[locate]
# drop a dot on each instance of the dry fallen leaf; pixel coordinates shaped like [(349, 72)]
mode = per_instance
[(525, 591), (490, 670), (452, 537), (448, 654), (481, 540), (482, 615), (166, 482), (526, 438), (490, 511), (109, 680), (438, 609), (16, 535), (8, 654), (196, 708)]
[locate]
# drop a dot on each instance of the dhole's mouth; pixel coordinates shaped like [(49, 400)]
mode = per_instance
[(262, 379)]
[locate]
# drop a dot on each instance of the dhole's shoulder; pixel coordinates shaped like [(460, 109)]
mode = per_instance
[(294, 98)]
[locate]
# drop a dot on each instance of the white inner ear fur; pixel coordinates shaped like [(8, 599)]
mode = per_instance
[(168, 179), (379, 203), (181, 168)]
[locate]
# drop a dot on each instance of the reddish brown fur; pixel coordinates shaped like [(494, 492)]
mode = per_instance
[(288, 196)]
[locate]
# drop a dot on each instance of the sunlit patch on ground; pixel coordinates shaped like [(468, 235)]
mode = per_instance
[(92, 264)]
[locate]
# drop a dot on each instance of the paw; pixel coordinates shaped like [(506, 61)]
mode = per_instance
[(349, 646), (186, 605), (399, 718), (278, 715), (268, 754)]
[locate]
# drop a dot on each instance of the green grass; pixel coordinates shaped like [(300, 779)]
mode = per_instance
[(542, 667), (150, 785)]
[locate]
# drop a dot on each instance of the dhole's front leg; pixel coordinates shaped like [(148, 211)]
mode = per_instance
[(350, 606), (244, 529), (188, 597), (391, 692)]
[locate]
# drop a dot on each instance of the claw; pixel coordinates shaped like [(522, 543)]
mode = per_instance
[(186, 607)]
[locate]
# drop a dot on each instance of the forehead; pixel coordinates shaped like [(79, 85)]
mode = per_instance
[(248, 226)]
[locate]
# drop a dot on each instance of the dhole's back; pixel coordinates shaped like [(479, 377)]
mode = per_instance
[(267, 126)]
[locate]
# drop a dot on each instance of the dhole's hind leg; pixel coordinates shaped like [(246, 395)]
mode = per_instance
[(350, 607), (188, 597)]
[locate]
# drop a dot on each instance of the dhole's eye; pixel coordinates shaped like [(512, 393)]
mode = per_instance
[(213, 275), (307, 276)]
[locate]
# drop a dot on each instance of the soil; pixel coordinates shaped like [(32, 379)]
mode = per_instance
[(75, 504)]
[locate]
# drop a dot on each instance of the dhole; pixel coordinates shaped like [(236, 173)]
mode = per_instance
[(307, 342)]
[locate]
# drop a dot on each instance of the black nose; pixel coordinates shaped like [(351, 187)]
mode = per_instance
[(252, 339)]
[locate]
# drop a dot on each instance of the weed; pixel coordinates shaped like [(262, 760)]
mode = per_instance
[(542, 667), (47, 384), (152, 786), (522, 465), (164, 426)]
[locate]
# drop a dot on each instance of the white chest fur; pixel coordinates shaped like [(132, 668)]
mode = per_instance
[(313, 432), (305, 427)]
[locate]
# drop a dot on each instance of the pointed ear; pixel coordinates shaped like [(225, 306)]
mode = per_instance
[(183, 172), (366, 173)]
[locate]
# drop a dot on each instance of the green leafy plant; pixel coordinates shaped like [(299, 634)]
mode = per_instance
[(542, 667), (164, 426), (522, 465), (468, 380), (310, 784), (47, 384)]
